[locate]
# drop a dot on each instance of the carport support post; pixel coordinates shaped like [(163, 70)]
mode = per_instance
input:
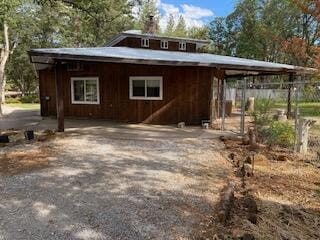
[(217, 76), (243, 106), (290, 85), (59, 97)]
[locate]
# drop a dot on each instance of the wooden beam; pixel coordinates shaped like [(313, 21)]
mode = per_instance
[(59, 97), (216, 76), (289, 101)]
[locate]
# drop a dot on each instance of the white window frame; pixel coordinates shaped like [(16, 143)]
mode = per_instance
[(164, 44), (73, 79), (182, 46), (145, 42), (145, 78)]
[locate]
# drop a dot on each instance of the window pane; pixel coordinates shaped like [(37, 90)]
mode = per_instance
[(138, 88), (78, 90), (91, 91), (153, 88)]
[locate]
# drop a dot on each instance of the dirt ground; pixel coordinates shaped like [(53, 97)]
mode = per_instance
[(286, 187), (82, 185)]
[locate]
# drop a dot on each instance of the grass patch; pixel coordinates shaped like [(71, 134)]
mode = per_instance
[(307, 109), (33, 106)]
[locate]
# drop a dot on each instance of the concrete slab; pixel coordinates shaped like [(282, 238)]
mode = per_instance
[(16, 118)]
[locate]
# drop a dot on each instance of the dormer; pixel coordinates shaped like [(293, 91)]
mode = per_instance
[(137, 39)]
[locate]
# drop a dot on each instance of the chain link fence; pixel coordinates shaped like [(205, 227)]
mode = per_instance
[(283, 101)]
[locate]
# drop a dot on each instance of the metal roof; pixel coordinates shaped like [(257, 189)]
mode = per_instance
[(157, 57), (138, 34)]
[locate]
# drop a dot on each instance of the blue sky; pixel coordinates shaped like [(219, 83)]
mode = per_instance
[(218, 7), (195, 12)]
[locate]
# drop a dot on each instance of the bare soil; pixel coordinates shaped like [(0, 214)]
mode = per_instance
[(286, 187), (19, 162)]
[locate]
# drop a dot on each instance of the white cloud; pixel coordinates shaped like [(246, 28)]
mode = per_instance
[(193, 15)]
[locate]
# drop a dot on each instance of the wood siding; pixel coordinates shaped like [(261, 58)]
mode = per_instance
[(186, 93), (155, 45)]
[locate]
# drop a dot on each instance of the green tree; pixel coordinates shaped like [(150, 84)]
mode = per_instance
[(181, 28), (148, 8), (170, 26), (8, 39)]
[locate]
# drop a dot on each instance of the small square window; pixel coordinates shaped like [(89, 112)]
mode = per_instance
[(145, 42), (164, 44), (182, 46)]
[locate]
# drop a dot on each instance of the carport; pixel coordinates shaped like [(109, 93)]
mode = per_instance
[(222, 68)]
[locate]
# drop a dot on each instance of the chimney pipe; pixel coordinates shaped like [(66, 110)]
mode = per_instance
[(151, 26)]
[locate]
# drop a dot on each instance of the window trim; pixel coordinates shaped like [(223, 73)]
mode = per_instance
[(73, 101), (184, 44), (145, 42), (166, 44), (145, 78)]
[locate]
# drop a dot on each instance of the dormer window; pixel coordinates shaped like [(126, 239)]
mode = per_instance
[(164, 44), (182, 46), (145, 42)]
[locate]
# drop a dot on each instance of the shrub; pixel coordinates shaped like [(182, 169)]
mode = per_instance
[(13, 100), (261, 114), (279, 133), (30, 99)]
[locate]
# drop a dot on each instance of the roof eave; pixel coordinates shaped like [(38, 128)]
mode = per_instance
[(270, 70)]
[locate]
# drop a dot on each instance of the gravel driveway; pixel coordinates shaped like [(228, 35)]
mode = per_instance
[(100, 187)]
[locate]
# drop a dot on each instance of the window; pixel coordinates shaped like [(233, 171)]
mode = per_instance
[(164, 44), (145, 42), (74, 66), (146, 88), (182, 46), (85, 90)]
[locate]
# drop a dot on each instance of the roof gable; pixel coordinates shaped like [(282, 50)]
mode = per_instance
[(138, 34)]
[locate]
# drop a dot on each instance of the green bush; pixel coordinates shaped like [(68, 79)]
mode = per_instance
[(279, 133), (261, 114), (30, 99), (13, 100)]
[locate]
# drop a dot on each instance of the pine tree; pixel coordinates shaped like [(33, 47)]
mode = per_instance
[(148, 8), (181, 29), (170, 26)]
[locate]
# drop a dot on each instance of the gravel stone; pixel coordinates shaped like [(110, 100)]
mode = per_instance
[(101, 187)]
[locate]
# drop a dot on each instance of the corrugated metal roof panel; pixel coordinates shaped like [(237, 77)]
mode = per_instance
[(147, 56)]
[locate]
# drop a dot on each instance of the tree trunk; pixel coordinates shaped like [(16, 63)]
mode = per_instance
[(5, 52), (4, 88)]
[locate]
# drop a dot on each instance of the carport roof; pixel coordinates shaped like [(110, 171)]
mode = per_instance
[(233, 65)]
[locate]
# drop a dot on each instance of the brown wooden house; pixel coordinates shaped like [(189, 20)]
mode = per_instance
[(139, 78)]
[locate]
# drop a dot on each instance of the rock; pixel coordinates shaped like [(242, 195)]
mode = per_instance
[(247, 236), (245, 140), (248, 170), (252, 218), (231, 156), (282, 158), (227, 203), (250, 204), (248, 160), (181, 125), (241, 172)]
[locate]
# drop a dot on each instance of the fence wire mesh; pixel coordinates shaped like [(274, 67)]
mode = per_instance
[(287, 101)]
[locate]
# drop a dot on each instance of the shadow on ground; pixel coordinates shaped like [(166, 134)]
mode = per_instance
[(98, 187)]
